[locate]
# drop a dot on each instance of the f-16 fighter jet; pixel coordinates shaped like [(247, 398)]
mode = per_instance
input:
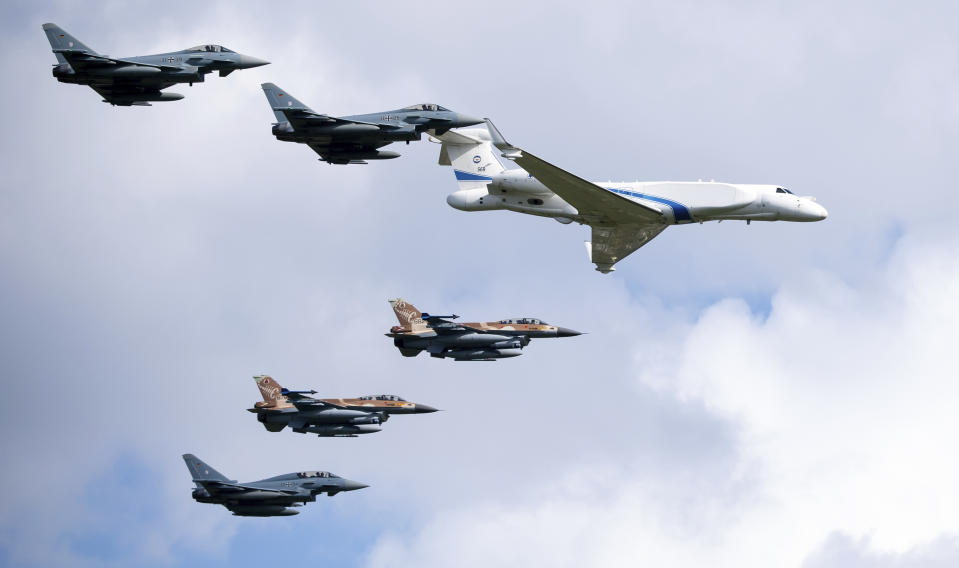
[(138, 80), (355, 139), (269, 497), (482, 341), (340, 417), (623, 215)]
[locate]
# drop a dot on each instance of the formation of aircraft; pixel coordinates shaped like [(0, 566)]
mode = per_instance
[(327, 417), (623, 215), (475, 341), (139, 80), (270, 497), (355, 139)]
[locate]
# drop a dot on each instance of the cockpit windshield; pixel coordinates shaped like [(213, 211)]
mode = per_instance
[(425, 106), (210, 48), (392, 397), (783, 190), (524, 321), (303, 474)]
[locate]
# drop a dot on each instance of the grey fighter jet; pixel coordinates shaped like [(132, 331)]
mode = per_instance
[(476, 341), (128, 81), (326, 417), (269, 497), (355, 139)]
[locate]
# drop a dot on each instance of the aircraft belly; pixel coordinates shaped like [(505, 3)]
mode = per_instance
[(334, 416)]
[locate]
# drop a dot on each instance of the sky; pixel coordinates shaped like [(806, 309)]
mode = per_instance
[(772, 394)]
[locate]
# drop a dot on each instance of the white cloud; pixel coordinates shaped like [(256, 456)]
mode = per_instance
[(843, 406)]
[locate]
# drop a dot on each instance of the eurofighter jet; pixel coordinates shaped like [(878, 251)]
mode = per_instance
[(481, 341), (340, 417), (623, 215), (269, 497), (129, 81), (355, 139)]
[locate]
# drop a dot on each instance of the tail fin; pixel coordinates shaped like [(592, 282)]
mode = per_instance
[(471, 153), (201, 471), (409, 317), (271, 390), (280, 99), (60, 40)]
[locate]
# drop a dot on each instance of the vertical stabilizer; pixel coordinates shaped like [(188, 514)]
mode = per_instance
[(472, 155), (409, 317), (271, 390), (61, 41), (280, 99), (201, 471)]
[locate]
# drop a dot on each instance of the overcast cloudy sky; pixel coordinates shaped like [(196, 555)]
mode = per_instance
[(778, 394)]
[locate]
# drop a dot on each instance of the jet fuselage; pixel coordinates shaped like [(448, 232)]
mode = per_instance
[(679, 202)]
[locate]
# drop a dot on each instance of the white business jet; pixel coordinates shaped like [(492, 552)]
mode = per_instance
[(623, 215)]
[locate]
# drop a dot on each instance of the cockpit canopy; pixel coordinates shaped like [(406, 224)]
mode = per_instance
[(304, 474), (425, 106), (382, 397), (524, 321), (211, 48), (783, 190)]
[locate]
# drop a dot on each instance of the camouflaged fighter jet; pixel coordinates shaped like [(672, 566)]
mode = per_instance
[(355, 139), (137, 81), (482, 341), (265, 498), (327, 417)]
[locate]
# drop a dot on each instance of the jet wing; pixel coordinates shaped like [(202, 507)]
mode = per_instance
[(303, 402), (338, 153), (302, 118), (620, 225), (219, 487), (613, 243), (110, 93), (80, 59)]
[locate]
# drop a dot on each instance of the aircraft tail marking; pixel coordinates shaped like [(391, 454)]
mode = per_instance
[(280, 99), (270, 389), (471, 153), (61, 41), (201, 471), (407, 314)]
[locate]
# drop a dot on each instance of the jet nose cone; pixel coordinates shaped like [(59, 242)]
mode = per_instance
[(567, 332), (248, 62), (820, 212), (813, 211), (423, 408), (351, 485), (466, 120)]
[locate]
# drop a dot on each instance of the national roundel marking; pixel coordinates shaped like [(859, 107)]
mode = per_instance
[(476, 159)]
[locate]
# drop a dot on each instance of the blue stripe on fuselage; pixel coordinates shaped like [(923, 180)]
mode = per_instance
[(466, 176), (680, 211)]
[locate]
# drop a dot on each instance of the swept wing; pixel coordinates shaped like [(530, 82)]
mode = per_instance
[(620, 225)]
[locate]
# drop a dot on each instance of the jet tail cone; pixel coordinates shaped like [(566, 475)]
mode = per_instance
[(566, 332)]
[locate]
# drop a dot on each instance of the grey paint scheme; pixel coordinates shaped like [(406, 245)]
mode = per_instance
[(269, 497), (138, 80), (356, 138)]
